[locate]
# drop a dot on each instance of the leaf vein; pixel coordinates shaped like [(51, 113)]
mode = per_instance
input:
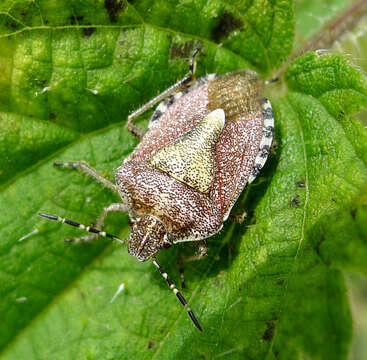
[(303, 225)]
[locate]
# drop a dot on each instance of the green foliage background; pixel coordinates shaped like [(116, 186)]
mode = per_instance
[(271, 288)]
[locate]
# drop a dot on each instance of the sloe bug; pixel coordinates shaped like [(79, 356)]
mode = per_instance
[(207, 139)]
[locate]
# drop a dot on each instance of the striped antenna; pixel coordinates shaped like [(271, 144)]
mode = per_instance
[(178, 294), (81, 226)]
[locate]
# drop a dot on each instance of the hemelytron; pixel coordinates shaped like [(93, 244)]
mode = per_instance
[(206, 141)]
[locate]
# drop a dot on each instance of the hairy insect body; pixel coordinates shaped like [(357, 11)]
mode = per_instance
[(204, 144), (202, 148)]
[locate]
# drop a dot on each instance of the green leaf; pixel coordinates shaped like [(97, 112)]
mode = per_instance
[(270, 288), (332, 164)]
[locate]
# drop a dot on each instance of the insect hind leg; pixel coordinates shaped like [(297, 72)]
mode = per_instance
[(180, 85)]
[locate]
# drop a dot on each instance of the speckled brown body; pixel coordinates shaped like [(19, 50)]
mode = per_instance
[(189, 209), (203, 146)]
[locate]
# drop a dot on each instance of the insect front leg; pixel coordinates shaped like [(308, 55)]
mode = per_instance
[(202, 250), (84, 167), (180, 85)]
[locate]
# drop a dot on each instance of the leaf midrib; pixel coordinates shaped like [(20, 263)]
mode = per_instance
[(143, 23)]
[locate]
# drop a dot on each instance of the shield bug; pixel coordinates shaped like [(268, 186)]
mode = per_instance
[(206, 140)]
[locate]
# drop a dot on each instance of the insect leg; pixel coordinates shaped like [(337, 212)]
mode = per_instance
[(181, 84), (182, 260), (100, 222), (117, 207), (178, 294), (238, 217), (202, 250), (84, 167), (81, 226), (267, 82)]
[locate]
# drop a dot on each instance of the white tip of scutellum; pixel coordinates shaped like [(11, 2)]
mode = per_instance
[(216, 116)]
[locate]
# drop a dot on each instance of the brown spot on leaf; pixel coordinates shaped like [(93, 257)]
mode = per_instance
[(226, 24), (322, 239), (76, 19), (269, 332), (295, 202), (181, 50), (114, 7), (87, 32), (11, 24)]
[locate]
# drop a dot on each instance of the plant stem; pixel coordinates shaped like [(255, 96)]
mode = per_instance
[(331, 32), (334, 30)]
